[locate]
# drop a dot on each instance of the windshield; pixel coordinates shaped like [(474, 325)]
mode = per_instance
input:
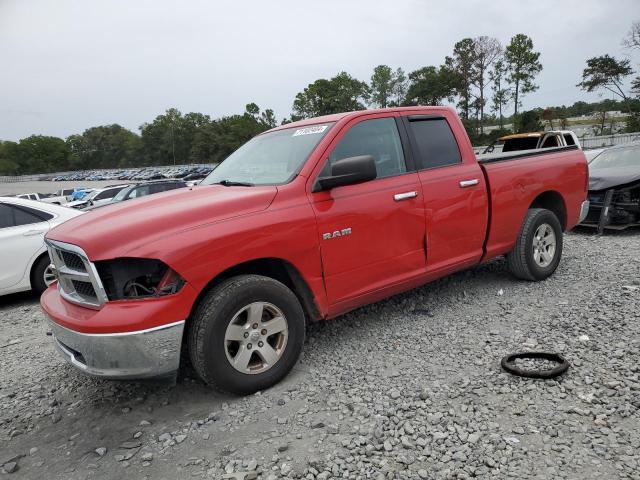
[(270, 159), (623, 157)]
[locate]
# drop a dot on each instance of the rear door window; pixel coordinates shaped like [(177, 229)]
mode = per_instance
[(6, 216), (568, 138), (434, 143), (15, 216)]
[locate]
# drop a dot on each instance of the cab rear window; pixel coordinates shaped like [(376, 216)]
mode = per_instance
[(516, 144)]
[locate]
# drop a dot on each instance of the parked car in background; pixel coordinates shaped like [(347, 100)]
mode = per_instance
[(198, 174), (61, 197), (303, 223), (29, 196), (98, 196), (592, 154), (614, 188), (24, 262), (138, 190), (534, 140), (79, 193)]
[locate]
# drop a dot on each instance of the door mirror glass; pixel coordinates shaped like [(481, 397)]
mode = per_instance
[(348, 171)]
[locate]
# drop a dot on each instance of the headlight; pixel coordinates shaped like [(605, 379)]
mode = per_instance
[(135, 278)]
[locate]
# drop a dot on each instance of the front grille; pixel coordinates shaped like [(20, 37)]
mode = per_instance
[(84, 289), (78, 279), (73, 261)]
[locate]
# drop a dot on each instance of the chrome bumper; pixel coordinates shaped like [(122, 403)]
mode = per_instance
[(584, 210), (142, 354)]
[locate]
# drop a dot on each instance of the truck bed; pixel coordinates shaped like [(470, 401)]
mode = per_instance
[(516, 181)]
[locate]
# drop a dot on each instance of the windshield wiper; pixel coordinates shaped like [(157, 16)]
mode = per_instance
[(231, 183)]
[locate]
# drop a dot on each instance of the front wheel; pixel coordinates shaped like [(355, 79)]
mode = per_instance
[(246, 334), (43, 274), (538, 248)]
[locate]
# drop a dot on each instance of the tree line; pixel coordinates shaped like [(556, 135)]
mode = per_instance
[(484, 79)]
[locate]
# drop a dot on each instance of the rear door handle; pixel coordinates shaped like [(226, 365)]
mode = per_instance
[(31, 233), (404, 196), (469, 183)]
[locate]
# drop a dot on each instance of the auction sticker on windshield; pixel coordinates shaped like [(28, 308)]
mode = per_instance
[(310, 130)]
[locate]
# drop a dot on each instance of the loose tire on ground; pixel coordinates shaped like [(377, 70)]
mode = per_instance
[(218, 335), (39, 271), (525, 260)]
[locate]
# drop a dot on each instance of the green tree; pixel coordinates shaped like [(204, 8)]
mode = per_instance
[(169, 138), (39, 154), (342, 93), (7, 155), (461, 66), (606, 73), (387, 88), (548, 114), (430, 86), (522, 65), (486, 51), (528, 121), (107, 146), (501, 95), (218, 139)]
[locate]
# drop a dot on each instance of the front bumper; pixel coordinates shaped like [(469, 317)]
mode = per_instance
[(123, 340), (143, 354)]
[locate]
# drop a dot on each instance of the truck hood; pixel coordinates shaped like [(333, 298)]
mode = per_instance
[(605, 178), (117, 230)]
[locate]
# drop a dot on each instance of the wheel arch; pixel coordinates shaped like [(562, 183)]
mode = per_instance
[(553, 201), (276, 268)]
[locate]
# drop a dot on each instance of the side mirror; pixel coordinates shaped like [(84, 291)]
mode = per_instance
[(348, 171)]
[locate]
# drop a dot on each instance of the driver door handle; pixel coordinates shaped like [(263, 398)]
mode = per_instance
[(405, 196), (469, 183)]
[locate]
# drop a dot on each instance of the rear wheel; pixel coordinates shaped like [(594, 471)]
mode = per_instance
[(246, 334), (538, 248)]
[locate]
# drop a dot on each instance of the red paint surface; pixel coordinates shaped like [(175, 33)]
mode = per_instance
[(394, 246)]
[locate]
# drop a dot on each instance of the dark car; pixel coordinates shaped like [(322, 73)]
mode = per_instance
[(614, 188), (143, 189), (199, 174)]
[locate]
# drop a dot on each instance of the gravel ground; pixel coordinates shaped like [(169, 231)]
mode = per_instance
[(409, 388)]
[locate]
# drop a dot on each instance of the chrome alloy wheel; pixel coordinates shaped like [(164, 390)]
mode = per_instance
[(49, 275), (256, 338), (544, 245)]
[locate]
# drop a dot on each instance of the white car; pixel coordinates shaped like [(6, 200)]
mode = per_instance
[(24, 261), (96, 197)]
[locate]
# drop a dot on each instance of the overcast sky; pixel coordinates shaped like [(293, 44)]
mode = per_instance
[(67, 65)]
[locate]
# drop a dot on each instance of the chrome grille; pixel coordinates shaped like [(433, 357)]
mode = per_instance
[(78, 279), (73, 261)]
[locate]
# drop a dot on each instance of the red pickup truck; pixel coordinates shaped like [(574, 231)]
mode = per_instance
[(303, 223)]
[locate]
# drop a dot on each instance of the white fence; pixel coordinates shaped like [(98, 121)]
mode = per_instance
[(608, 140)]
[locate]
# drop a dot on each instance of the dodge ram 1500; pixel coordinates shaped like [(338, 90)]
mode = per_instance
[(303, 223)]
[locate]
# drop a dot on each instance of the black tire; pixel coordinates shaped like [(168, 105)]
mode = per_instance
[(521, 260), (38, 284), (209, 322)]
